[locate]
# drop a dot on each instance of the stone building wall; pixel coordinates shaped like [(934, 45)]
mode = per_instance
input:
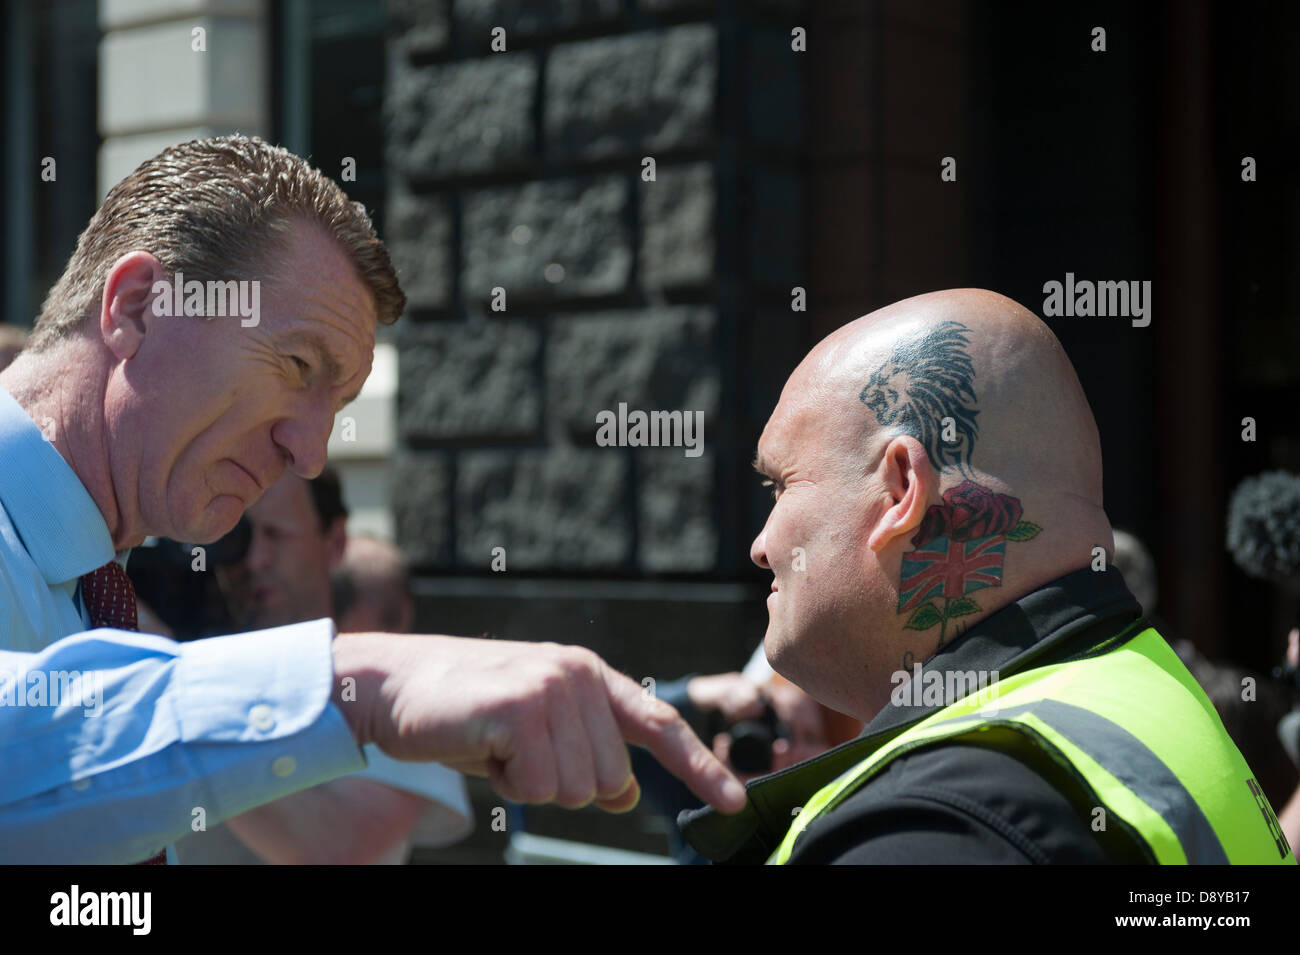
[(522, 169)]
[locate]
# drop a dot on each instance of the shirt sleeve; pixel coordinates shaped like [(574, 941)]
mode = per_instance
[(114, 743), (961, 804), (430, 780), (448, 816)]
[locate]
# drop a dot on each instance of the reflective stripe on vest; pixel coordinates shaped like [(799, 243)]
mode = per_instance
[(1135, 727)]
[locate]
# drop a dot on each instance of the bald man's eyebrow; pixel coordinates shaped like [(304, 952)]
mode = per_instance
[(763, 467)]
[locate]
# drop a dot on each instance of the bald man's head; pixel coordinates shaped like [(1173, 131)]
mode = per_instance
[(931, 462), (372, 588)]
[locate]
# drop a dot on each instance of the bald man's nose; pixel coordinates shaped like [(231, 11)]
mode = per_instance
[(758, 550)]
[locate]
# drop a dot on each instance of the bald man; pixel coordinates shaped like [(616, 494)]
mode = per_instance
[(372, 591), (940, 559)]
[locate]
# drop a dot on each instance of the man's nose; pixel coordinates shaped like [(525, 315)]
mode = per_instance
[(304, 438), (758, 550), (258, 557)]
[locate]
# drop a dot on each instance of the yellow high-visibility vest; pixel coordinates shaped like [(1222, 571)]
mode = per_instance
[(1135, 727)]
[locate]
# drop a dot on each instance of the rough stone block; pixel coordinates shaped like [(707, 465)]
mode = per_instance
[(474, 379), (676, 511), (548, 237), (474, 116), (639, 93), (556, 509), (422, 508), (653, 360), (418, 232), (528, 18), (677, 227), (418, 26)]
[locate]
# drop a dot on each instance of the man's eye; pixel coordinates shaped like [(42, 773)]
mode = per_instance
[(303, 365), (776, 491)]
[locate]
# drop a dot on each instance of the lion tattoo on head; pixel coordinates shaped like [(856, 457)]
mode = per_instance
[(926, 379)]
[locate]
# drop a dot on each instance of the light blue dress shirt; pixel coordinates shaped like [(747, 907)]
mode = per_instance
[(114, 743)]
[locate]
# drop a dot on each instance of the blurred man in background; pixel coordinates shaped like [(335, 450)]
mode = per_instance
[(372, 588), (297, 538), (1264, 540)]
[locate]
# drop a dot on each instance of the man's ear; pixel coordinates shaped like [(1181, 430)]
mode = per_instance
[(131, 289), (910, 480)]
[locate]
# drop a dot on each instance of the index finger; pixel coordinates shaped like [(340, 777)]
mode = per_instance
[(652, 723)]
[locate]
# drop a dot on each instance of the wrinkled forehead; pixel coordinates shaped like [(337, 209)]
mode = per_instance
[(314, 280), (812, 421)]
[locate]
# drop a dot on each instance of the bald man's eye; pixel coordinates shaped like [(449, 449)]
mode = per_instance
[(776, 489)]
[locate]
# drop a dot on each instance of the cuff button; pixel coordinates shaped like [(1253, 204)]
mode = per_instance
[(262, 717)]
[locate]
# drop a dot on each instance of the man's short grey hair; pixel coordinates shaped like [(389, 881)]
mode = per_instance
[(214, 209)]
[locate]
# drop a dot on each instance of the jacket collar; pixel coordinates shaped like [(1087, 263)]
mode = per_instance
[(1051, 624)]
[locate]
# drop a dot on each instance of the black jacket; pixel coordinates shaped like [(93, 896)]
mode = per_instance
[(958, 802)]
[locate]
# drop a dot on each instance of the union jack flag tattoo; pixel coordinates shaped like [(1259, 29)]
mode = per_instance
[(960, 548)]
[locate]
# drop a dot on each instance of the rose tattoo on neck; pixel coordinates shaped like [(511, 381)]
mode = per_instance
[(960, 548), (925, 389)]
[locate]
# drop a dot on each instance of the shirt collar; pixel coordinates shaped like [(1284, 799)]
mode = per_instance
[(1067, 616), (50, 508)]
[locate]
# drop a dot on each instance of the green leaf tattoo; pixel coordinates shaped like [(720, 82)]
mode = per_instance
[(959, 549), (926, 616), (1023, 531), (962, 606)]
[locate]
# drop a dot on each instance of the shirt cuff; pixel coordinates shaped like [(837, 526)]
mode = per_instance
[(252, 687), (190, 734)]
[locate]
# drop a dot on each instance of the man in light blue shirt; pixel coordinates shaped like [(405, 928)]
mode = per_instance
[(219, 310)]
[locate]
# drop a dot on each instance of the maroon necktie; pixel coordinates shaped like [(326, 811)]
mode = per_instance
[(109, 596)]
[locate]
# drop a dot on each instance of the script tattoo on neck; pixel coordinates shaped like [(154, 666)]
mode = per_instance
[(925, 388)]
